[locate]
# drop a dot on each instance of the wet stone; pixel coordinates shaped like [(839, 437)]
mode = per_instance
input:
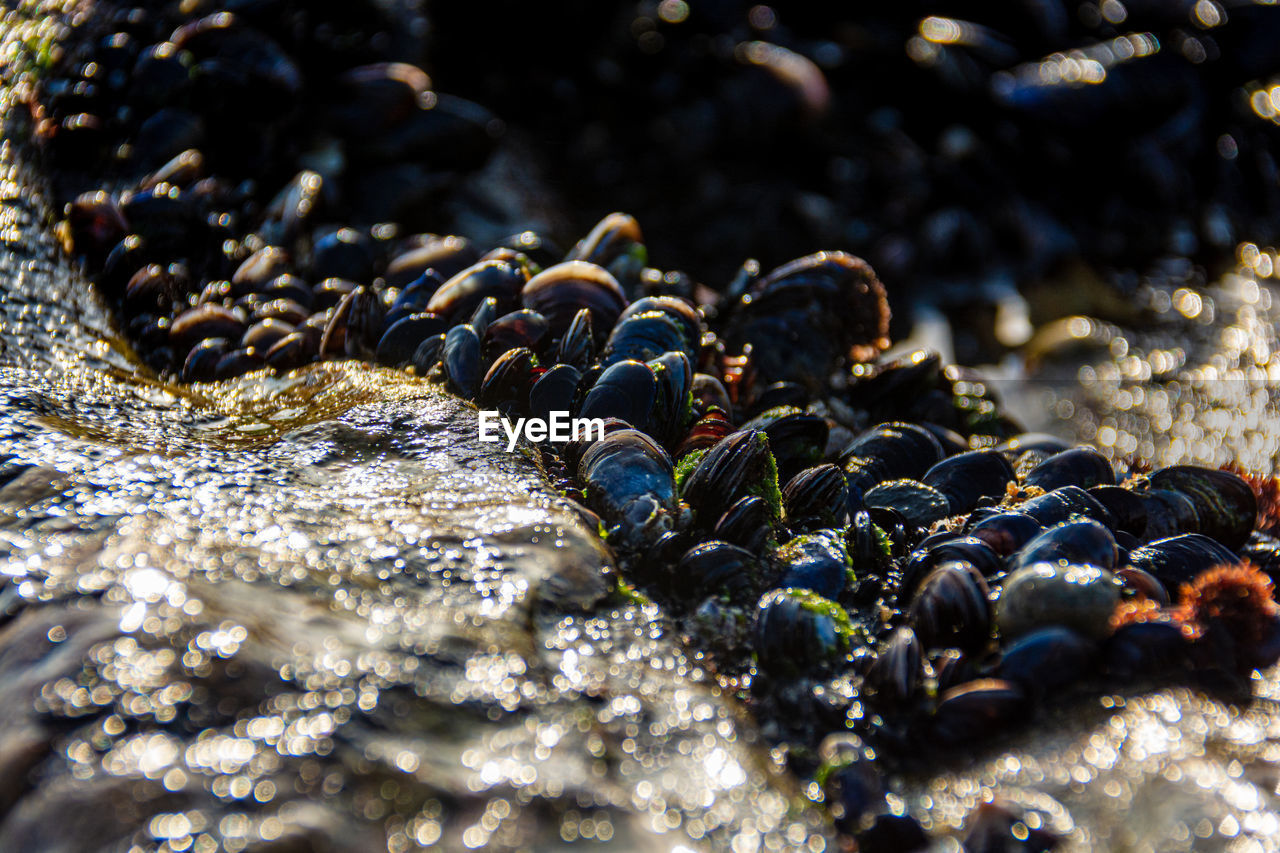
[(314, 612)]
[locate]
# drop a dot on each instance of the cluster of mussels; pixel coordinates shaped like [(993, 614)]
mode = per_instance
[(942, 140), (231, 147), (861, 546)]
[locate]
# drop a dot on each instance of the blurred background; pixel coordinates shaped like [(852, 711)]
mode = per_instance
[(965, 149)]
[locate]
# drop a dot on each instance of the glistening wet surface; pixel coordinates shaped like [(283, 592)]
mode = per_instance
[(317, 614), (314, 614)]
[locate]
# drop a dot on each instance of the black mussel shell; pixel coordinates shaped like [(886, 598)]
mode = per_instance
[(951, 608), (401, 340), (897, 383), (413, 298), (521, 328), (806, 317), (1045, 660), (1128, 508), (264, 334), (789, 395), (360, 317), (737, 465), (718, 568), (1006, 532), (460, 356), (1147, 650), (444, 257), (574, 449), (798, 632), (615, 244), (202, 360), (238, 362), (1178, 559), (748, 523), (288, 310), (966, 478), (930, 555), (978, 709), (671, 407), (577, 346), (152, 289), (897, 674), (165, 217), (559, 292), (506, 385), (644, 336), (708, 393), (951, 668), (284, 286), (182, 170), (952, 442), (344, 253), (96, 224), (706, 432), (1084, 542), (151, 331), (796, 438), (458, 297), (1166, 513), (1079, 466), (1041, 442), (126, 258), (630, 482), (869, 547), (554, 391), (291, 351), (917, 503), (302, 201), (627, 391), (816, 497), (262, 266), (453, 134), (1224, 503), (1143, 583), (1061, 504), (816, 562), (205, 321), (852, 786), (889, 451), (486, 312), (1074, 596), (680, 311), (365, 324), (330, 292), (534, 246), (374, 98), (428, 353), (219, 292)]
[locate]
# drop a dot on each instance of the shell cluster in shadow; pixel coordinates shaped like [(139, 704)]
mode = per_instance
[(948, 143), (863, 547)]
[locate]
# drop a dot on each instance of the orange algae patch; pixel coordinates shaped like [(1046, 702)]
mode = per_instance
[(1239, 598), (1138, 610)]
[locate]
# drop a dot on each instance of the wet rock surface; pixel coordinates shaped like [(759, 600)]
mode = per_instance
[(312, 614), (318, 615), (361, 630)]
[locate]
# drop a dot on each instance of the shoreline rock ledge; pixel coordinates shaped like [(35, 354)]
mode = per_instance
[(315, 614)]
